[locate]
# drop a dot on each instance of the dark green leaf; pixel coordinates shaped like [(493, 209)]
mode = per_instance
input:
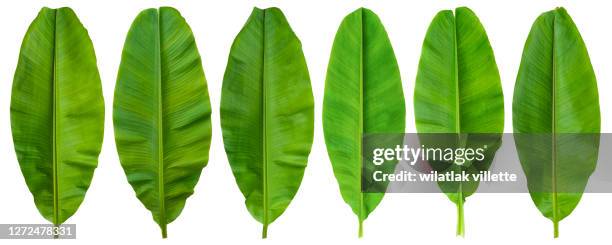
[(267, 113), (57, 112), (162, 112)]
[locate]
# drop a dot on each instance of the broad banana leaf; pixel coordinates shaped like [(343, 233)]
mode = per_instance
[(57, 112), (555, 114), (162, 113), (458, 91), (267, 113), (363, 94)]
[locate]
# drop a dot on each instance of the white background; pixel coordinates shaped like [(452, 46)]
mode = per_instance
[(216, 213)]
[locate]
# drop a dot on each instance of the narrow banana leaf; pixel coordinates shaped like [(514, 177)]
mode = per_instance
[(57, 112), (363, 94), (458, 91), (267, 113), (555, 114), (162, 113)]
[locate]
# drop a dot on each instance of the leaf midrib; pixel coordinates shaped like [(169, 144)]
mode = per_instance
[(457, 99), (361, 124), (160, 132), (554, 127), (55, 126), (264, 123)]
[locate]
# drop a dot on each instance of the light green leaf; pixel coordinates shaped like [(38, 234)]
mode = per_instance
[(57, 112), (458, 91), (267, 114), (162, 112), (363, 95), (556, 96)]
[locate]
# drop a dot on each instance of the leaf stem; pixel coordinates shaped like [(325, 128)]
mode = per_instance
[(264, 232), (164, 230), (360, 232), (556, 229), (56, 236), (460, 220)]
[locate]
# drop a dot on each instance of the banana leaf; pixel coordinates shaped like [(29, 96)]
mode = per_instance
[(363, 95), (57, 112), (267, 114), (458, 91), (555, 115), (161, 113)]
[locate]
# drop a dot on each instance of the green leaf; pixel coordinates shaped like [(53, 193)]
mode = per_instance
[(363, 95), (162, 112), (267, 114), (57, 112), (556, 96), (458, 91)]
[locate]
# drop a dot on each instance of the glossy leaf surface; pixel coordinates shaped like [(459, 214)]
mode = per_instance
[(458, 91), (57, 112), (267, 113), (555, 95), (162, 112), (363, 95)]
